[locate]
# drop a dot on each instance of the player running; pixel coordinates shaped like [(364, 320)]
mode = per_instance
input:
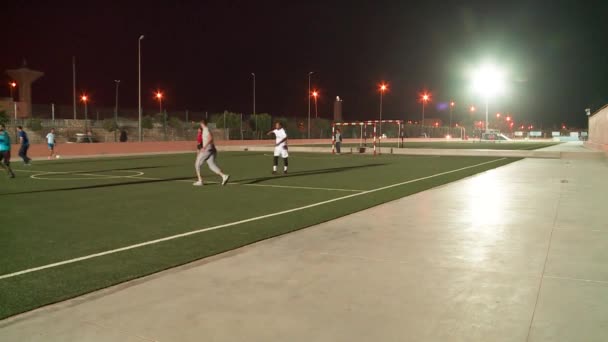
[(280, 147), (50, 139), (25, 145), (199, 139), (5, 151), (207, 153)]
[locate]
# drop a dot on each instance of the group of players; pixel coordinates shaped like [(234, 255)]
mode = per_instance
[(5, 149), (208, 153), (206, 150)]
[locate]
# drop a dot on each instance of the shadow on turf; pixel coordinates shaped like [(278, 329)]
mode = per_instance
[(242, 181), (94, 160), (114, 169), (307, 173), (96, 186)]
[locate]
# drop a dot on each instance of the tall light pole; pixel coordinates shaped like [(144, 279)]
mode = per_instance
[(74, 85), (11, 86), (425, 98), (116, 110), (315, 94), (383, 88), (139, 85), (452, 104), (309, 74), (255, 116), (85, 100), (488, 81), (159, 97)]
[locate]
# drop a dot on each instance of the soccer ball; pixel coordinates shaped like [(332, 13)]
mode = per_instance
[(57, 156)]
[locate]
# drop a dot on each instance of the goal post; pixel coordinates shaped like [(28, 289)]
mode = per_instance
[(364, 125)]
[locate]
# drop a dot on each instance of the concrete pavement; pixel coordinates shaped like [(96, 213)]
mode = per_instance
[(513, 254)]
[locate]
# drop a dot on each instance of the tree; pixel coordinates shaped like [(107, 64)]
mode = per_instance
[(147, 122), (35, 125), (175, 123), (109, 125), (322, 128), (232, 120), (263, 121), (3, 117)]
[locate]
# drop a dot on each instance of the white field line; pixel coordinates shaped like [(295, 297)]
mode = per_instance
[(299, 187), (252, 219)]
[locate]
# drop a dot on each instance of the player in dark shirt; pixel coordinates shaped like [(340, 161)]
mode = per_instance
[(25, 145)]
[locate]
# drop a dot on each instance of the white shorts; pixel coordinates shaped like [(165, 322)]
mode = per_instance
[(281, 151)]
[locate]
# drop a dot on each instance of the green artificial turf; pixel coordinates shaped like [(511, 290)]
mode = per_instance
[(485, 145), (64, 209)]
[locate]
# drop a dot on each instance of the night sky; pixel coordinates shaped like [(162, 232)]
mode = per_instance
[(201, 54)]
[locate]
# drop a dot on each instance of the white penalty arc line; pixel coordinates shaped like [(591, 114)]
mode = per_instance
[(38, 174), (252, 219)]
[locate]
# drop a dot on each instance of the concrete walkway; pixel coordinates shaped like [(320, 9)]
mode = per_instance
[(517, 253)]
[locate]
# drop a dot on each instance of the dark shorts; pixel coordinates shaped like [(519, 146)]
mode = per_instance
[(51, 146), (5, 156)]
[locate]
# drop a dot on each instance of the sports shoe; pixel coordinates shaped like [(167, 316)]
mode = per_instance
[(49, 157), (199, 183), (11, 175), (225, 179), (274, 172), (285, 172)]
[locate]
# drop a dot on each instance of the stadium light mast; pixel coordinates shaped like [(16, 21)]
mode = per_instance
[(452, 104), (159, 97), (255, 116), (425, 98), (139, 85), (309, 74), (12, 86), (488, 81), (85, 99), (116, 110), (315, 94), (383, 88)]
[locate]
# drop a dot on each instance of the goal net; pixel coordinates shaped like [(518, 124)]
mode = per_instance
[(375, 130)]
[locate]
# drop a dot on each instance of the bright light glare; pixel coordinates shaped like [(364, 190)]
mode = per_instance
[(13, 84), (315, 93), (84, 98), (159, 95), (488, 80), (383, 87)]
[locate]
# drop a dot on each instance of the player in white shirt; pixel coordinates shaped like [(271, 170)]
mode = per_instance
[(280, 148), (207, 153), (50, 139)]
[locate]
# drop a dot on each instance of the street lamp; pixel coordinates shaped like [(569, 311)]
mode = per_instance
[(116, 110), (452, 104), (12, 86), (255, 116), (159, 97), (383, 88), (315, 94), (425, 98), (85, 100), (139, 85), (488, 81), (309, 74)]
